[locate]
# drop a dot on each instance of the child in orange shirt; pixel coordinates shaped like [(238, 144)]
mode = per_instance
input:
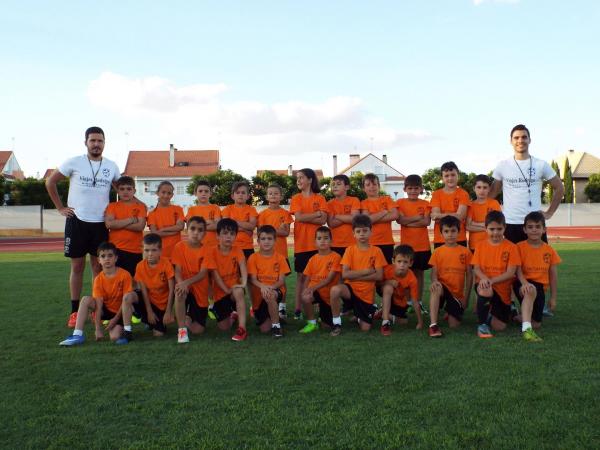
[(537, 272), (400, 285), (210, 212), (111, 287), (267, 270), (280, 219), (451, 277), (309, 208), (227, 265), (191, 281), (244, 214), (340, 211), (362, 267), (154, 302), (166, 220), (382, 211), (495, 263), (450, 200), (478, 209), (125, 220), (322, 273)]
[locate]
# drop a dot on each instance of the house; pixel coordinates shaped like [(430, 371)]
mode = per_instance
[(288, 171), (149, 167), (582, 166), (390, 179), (9, 166)]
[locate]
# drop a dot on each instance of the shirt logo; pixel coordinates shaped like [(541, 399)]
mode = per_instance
[(421, 210), (105, 172), (455, 203), (276, 268), (315, 206), (372, 262), (329, 266), (163, 277), (135, 212), (463, 259), (504, 257), (175, 216), (234, 264), (211, 215), (547, 258), (347, 209)]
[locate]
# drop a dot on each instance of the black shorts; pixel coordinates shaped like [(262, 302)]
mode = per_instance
[(82, 237), (362, 310), (128, 261), (398, 311), (540, 299), (261, 314), (339, 250), (388, 252), (514, 233), (439, 244), (223, 308), (452, 305), (248, 252), (140, 309), (325, 313), (108, 315), (301, 260), (498, 308), (197, 313), (421, 260)]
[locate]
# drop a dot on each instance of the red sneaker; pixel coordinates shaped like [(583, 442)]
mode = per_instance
[(434, 331), (386, 330), (240, 335), (72, 320)]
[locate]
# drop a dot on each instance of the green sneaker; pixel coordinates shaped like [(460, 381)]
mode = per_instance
[(309, 328), (211, 314), (135, 320), (531, 336)]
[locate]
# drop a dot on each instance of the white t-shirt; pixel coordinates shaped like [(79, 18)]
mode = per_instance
[(89, 199), (519, 199)]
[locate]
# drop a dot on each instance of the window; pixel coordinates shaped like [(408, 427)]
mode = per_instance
[(180, 189)]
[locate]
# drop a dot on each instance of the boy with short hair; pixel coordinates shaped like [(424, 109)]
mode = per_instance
[(478, 209), (451, 277), (154, 299), (210, 212), (495, 263), (400, 285), (244, 214), (322, 273), (229, 276), (450, 200), (362, 267), (111, 287), (340, 211), (191, 281), (267, 270), (536, 273)]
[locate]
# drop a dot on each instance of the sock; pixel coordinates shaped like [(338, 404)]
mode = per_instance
[(74, 306), (127, 328), (385, 322), (77, 332), (433, 324), (276, 325), (525, 326), (313, 321), (337, 320), (282, 307), (482, 309)]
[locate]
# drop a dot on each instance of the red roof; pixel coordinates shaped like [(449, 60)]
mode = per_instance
[(318, 172), (155, 163), (4, 156)]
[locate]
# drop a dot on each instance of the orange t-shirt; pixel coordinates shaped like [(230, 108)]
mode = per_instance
[(342, 236), (124, 239), (227, 266), (304, 233), (536, 262), (191, 260), (477, 213), (267, 270), (166, 216), (451, 265), (156, 279), (319, 267), (208, 212), (494, 260), (407, 286), (448, 204), (382, 231), (416, 237), (276, 218), (112, 289), (241, 214), (356, 259)]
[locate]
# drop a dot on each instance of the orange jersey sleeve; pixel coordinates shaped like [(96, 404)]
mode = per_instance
[(227, 266), (276, 218), (162, 217), (357, 259), (112, 289), (318, 269), (304, 233), (156, 279), (267, 270), (342, 236), (536, 262), (451, 265), (191, 260), (407, 288), (477, 212), (244, 213), (494, 260), (381, 231), (448, 204), (416, 237), (208, 212), (124, 239)]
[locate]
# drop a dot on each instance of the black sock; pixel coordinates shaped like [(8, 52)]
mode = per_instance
[(483, 309), (74, 305)]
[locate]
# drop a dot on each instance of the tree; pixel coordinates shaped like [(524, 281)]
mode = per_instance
[(220, 182), (32, 191), (260, 183), (2, 189), (568, 182), (592, 189), (547, 186)]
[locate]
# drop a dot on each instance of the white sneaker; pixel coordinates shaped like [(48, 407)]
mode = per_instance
[(182, 336)]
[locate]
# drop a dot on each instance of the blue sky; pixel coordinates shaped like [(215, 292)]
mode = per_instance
[(277, 83)]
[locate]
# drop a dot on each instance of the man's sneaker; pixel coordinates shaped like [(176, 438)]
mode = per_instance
[(277, 332), (297, 314), (378, 314), (484, 332), (386, 330), (72, 320), (434, 331), (531, 336), (240, 334), (309, 328), (72, 340), (547, 312), (125, 338), (336, 330), (182, 336)]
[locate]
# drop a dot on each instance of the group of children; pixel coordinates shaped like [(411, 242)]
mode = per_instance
[(339, 267)]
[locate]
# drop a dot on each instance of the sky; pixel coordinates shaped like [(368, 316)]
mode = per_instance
[(274, 83)]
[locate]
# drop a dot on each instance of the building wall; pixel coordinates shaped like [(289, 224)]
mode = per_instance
[(394, 189), (580, 196), (146, 191), (372, 165)]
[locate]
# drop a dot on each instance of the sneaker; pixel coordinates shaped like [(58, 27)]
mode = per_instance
[(297, 314), (435, 331), (277, 332), (240, 334), (423, 309), (125, 338), (72, 320), (378, 314), (386, 330), (336, 330), (531, 336), (484, 332), (309, 328), (72, 340), (211, 314), (282, 313), (135, 320), (547, 312), (182, 336)]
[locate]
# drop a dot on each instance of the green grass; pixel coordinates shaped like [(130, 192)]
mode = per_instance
[(358, 390)]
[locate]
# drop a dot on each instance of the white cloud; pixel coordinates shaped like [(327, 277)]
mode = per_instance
[(480, 2)]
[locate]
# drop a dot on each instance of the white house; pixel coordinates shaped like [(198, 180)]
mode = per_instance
[(390, 179), (9, 166)]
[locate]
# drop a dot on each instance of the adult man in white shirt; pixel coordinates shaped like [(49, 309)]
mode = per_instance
[(90, 179), (521, 179)]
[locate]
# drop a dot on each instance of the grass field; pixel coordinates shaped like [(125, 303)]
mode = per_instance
[(355, 391)]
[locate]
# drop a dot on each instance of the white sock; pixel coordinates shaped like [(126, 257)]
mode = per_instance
[(433, 325), (127, 327), (282, 307), (77, 332), (385, 322), (276, 325), (525, 326), (313, 321), (337, 320)]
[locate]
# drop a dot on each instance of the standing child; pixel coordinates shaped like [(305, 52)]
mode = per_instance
[(450, 200), (495, 263), (244, 214), (322, 273), (210, 212), (478, 209), (310, 212), (166, 220), (267, 270), (340, 211)]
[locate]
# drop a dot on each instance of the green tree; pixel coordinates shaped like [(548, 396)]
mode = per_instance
[(2, 189), (592, 189), (356, 189), (260, 183), (568, 182), (547, 187), (221, 182), (32, 191)]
